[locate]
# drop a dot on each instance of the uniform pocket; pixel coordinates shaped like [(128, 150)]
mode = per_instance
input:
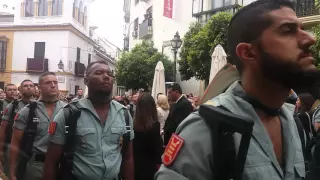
[(116, 134), (86, 139), (43, 128)]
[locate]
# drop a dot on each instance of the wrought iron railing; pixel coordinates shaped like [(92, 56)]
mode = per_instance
[(307, 7)]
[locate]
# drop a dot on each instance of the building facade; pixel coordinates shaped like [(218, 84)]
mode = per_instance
[(43, 34), (158, 21)]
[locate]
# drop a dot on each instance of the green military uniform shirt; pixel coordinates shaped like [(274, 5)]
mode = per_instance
[(7, 112), (97, 148), (5, 103), (41, 140), (194, 160)]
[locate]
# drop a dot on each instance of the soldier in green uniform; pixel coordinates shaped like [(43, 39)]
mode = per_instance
[(272, 54), (27, 90), (46, 108), (99, 130), (10, 90)]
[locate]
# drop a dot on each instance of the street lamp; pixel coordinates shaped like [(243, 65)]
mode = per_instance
[(61, 66), (176, 43)]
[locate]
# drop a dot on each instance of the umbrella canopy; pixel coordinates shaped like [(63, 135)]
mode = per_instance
[(219, 59), (158, 85), (224, 78)]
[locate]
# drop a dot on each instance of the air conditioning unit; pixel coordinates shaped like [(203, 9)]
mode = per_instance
[(135, 34)]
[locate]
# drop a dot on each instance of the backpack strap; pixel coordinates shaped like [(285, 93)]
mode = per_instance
[(126, 139), (223, 124), (126, 136), (71, 115), (10, 122), (31, 130)]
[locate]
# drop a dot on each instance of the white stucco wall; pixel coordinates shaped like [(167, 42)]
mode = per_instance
[(60, 45), (165, 28), (24, 47), (65, 18)]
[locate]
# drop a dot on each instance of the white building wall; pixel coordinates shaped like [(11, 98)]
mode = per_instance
[(24, 47), (164, 29)]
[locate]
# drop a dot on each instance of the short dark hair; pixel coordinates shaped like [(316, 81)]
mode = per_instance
[(248, 24), (26, 80), (175, 87), (6, 86), (46, 74), (93, 63)]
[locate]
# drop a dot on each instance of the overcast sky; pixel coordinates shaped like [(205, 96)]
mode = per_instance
[(108, 16)]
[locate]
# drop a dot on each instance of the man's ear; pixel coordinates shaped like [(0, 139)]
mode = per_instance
[(85, 81), (246, 52)]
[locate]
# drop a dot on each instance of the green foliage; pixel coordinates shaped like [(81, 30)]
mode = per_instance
[(316, 48), (135, 69), (199, 43)]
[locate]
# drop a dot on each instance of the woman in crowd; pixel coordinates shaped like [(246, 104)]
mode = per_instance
[(163, 110), (147, 143)]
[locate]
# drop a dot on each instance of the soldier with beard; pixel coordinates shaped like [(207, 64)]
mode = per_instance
[(27, 91), (272, 54), (100, 133)]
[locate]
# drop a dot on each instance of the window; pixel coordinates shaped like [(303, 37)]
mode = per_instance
[(76, 89), (78, 54), (89, 58), (80, 12), (43, 8), (57, 7), (29, 9), (39, 49), (85, 16), (75, 3), (136, 24), (136, 2), (3, 54)]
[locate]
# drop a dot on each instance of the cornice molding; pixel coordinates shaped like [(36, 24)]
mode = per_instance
[(51, 27)]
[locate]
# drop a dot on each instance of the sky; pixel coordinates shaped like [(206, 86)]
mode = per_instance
[(108, 16)]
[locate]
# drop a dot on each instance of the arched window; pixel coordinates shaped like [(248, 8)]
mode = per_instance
[(29, 11), (56, 7), (85, 17), (80, 12), (74, 12), (43, 8)]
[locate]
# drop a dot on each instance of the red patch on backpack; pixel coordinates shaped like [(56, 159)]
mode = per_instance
[(16, 117), (5, 111), (172, 150), (52, 128)]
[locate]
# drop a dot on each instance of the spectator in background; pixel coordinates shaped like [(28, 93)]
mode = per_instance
[(192, 103), (196, 100), (36, 93), (147, 142), (132, 105), (79, 94), (179, 110), (163, 111)]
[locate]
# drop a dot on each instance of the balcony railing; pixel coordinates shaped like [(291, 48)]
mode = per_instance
[(307, 8), (145, 29), (79, 69), (37, 65)]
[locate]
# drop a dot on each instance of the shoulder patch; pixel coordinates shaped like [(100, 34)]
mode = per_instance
[(172, 150), (52, 128), (16, 116), (5, 111)]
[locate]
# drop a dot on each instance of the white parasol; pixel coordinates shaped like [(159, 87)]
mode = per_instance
[(219, 60), (158, 85)]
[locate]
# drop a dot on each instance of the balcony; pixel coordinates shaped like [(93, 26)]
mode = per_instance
[(230, 6), (307, 8), (79, 69), (37, 65), (145, 29), (144, 0)]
